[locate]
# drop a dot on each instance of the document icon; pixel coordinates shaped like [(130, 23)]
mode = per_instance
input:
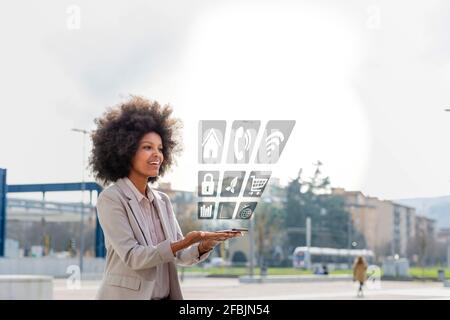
[(226, 210)]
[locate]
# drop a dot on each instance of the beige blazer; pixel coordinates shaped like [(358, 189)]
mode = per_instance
[(131, 257)]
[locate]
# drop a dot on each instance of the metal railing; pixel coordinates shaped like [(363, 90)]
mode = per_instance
[(48, 206)]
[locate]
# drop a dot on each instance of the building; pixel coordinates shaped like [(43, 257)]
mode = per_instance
[(371, 217), (426, 226), (389, 228), (443, 240), (404, 229), (443, 235)]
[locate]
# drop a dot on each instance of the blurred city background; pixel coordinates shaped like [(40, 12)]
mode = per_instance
[(365, 172), (306, 231)]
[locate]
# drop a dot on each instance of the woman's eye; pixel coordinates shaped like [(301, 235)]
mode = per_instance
[(149, 148)]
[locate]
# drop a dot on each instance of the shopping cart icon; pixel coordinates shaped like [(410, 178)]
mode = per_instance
[(258, 185)]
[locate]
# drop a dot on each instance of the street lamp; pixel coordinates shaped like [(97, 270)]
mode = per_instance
[(252, 246), (448, 242), (349, 238), (83, 187)]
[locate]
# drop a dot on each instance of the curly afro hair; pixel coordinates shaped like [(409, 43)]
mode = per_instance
[(119, 130)]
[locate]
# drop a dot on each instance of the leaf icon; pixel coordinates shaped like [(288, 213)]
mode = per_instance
[(232, 185)]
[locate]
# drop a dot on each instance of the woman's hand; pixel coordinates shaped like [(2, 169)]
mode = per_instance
[(208, 238), (208, 245), (200, 236)]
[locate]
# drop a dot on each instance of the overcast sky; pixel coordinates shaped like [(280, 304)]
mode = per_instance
[(366, 81)]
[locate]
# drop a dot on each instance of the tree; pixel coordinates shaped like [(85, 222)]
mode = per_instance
[(329, 219), (268, 223)]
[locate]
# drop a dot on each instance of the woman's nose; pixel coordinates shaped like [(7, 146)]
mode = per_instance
[(156, 153)]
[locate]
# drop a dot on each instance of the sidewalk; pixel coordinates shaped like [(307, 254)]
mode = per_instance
[(292, 278), (224, 289)]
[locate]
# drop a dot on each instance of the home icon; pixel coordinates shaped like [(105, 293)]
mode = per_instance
[(211, 146)]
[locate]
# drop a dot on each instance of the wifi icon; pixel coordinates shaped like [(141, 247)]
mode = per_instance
[(275, 137), (273, 141)]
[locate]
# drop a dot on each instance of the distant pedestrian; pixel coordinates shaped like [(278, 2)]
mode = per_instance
[(324, 269), (360, 274)]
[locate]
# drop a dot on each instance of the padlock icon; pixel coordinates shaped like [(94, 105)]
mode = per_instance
[(208, 184)]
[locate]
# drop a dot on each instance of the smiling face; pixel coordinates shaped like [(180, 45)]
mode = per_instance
[(149, 156)]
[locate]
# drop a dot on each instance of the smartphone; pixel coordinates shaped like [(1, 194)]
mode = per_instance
[(240, 229), (234, 230)]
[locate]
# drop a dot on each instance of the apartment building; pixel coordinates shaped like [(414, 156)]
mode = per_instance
[(388, 227)]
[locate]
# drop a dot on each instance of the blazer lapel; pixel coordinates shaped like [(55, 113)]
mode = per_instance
[(162, 212), (135, 210)]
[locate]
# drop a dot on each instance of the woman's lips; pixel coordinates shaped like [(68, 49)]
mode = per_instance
[(154, 165)]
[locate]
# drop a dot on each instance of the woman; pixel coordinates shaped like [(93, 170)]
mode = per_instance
[(360, 273), (133, 145)]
